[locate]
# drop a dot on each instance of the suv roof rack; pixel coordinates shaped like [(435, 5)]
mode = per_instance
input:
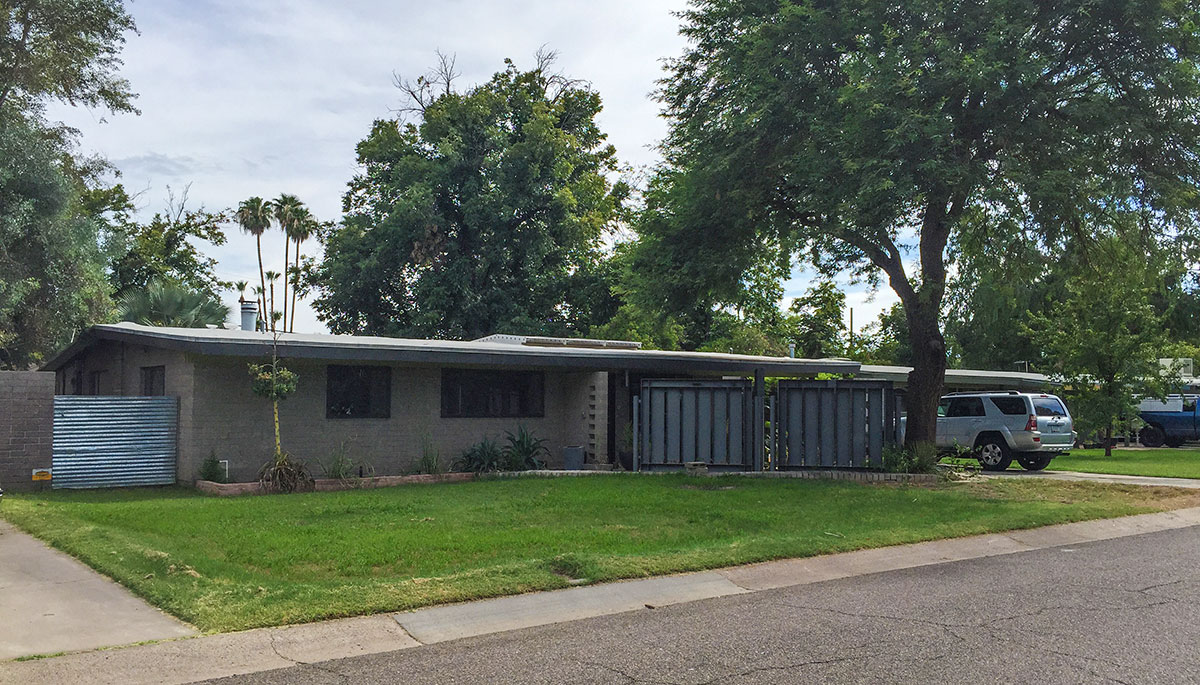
[(983, 392)]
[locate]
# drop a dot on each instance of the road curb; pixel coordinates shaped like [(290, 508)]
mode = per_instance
[(228, 654)]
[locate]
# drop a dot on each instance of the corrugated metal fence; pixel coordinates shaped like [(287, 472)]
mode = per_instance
[(827, 424), (102, 442)]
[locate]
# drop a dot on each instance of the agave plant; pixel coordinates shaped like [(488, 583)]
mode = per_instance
[(524, 451), (168, 304), (483, 457)]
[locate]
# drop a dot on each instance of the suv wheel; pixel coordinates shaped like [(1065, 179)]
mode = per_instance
[(993, 455), (1034, 462), (1152, 436)]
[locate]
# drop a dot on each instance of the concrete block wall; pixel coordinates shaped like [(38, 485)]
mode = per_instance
[(26, 427), (225, 419)]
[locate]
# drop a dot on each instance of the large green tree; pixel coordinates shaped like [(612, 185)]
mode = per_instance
[(52, 270), (481, 215), (1103, 339), (167, 248), (52, 279), (63, 50), (862, 135)]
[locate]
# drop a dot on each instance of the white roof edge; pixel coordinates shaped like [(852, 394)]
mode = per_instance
[(257, 340), (881, 371)]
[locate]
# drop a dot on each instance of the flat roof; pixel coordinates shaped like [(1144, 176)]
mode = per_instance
[(1015, 380), (239, 343)]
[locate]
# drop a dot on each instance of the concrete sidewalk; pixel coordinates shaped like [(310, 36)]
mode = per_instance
[(215, 656), (51, 603), (1152, 481)]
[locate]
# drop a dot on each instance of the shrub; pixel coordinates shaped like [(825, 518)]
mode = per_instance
[(482, 457), (211, 469), (342, 467), (284, 474), (524, 451), (431, 459), (919, 458)]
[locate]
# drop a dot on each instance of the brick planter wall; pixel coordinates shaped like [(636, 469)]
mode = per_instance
[(26, 428), (331, 484)]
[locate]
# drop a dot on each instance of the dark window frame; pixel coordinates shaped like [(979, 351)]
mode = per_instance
[(154, 380), (493, 394), (373, 382)]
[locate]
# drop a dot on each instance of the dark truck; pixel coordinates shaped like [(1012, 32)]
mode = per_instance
[(1169, 423)]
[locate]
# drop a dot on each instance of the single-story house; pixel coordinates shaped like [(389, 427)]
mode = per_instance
[(383, 399)]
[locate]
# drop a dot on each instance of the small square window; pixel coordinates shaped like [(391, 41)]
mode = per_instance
[(97, 382), (358, 392), (154, 380)]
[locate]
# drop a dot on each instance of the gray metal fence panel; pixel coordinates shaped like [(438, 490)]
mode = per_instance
[(836, 423), (102, 442), (683, 421)]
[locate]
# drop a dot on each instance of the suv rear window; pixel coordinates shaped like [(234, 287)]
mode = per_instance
[(1013, 406), (1048, 406)]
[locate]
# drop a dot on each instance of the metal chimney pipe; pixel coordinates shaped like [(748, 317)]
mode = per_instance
[(249, 315)]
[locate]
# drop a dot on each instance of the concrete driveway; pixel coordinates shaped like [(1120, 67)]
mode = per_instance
[(51, 603)]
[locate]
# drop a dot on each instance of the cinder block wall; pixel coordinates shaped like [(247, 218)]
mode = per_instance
[(226, 420), (26, 427)]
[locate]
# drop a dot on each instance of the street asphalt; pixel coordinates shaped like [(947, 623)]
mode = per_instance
[(1124, 610)]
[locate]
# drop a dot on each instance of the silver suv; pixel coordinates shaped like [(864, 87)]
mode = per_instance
[(998, 426)]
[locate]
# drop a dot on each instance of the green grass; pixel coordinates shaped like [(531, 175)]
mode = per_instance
[(227, 564), (1169, 463)]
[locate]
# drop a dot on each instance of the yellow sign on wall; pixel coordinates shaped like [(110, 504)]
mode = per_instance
[(41, 474)]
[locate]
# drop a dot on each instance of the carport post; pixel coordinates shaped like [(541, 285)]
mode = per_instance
[(637, 435), (759, 419)]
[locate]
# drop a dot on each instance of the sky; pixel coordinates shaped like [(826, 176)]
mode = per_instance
[(240, 98)]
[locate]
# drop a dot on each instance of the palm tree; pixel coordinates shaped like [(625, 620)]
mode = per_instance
[(261, 294), (287, 209), (254, 216), (170, 304), (303, 226), (269, 317)]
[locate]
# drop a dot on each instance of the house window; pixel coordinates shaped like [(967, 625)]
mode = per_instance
[(97, 382), (469, 393), (154, 380), (358, 392)]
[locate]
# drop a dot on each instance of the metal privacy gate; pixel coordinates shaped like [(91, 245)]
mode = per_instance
[(709, 421), (813, 424), (833, 423), (103, 442)]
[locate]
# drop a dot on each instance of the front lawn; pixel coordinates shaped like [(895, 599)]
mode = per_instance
[(1168, 463), (228, 564)]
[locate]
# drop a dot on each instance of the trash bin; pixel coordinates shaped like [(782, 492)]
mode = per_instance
[(573, 458)]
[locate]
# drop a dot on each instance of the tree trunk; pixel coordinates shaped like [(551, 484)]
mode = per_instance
[(926, 379), (286, 244), (295, 287), (1108, 440), (275, 409), (262, 309)]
